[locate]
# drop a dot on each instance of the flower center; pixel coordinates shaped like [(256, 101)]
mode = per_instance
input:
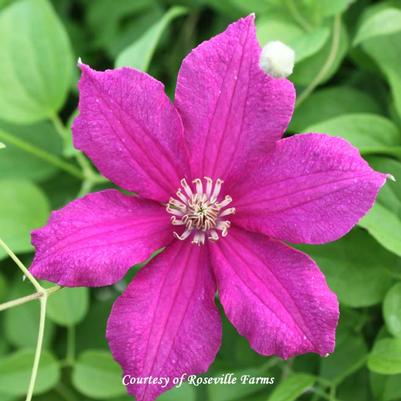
[(200, 211)]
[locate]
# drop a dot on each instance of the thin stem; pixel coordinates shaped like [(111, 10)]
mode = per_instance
[(88, 174), (88, 170), (324, 382), (91, 177), (58, 125), (70, 357), (27, 298), (328, 63), (86, 187), (39, 346), (332, 393), (273, 361), (26, 272), (287, 369), (298, 17), (42, 154), (65, 392), (85, 165), (189, 29), (320, 393), (20, 301)]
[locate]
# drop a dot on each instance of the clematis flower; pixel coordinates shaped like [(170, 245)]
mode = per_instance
[(220, 190)]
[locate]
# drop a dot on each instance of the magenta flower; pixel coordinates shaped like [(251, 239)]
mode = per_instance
[(220, 189)]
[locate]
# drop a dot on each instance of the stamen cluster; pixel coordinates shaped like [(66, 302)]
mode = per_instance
[(200, 211)]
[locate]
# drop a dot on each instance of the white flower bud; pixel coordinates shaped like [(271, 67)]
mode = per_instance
[(277, 59)]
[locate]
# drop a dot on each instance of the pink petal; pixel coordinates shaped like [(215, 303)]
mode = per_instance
[(274, 295), (93, 241), (311, 188), (166, 322), (131, 131), (230, 108)]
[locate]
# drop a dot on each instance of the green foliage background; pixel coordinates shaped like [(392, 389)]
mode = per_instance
[(348, 80)]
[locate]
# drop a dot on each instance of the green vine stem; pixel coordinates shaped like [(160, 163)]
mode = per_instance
[(42, 154), (89, 176), (335, 43), (58, 126), (298, 17), (70, 357), (28, 298), (24, 270), (42, 294), (65, 392), (39, 346)]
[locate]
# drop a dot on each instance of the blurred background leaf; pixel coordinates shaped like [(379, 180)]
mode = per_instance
[(34, 73), (68, 307), (15, 371), (23, 207)]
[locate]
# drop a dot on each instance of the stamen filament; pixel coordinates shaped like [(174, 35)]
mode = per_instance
[(201, 212), (216, 191), (209, 184), (227, 212), (186, 187), (184, 235), (227, 200), (181, 196)]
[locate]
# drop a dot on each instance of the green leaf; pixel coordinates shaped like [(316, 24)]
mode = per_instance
[(15, 371), (249, 6), (2, 146), (329, 8), (385, 357), (68, 306), (17, 163), (185, 392), (310, 43), (307, 70), (272, 28), (385, 51), (114, 28), (350, 354), (3, 287), (382, 22), (36, 62), (370, 133), (23, 208), (139, 54), (384, 220), (68, 148), (96, 317), (235, 9), (331, 102), (243, 386), (355, 387), (394, 78), (354, 267), (292, 387), (3, 346), (21, 324), (97, 375), (8, 397), (304, 44), (392, 310), (385, 387)]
